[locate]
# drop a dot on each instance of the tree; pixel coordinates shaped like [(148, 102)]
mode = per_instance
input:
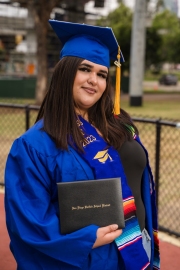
[(168, 27), (41, 10), (153, 48), (166, 20), (159, 5), (120, 20)]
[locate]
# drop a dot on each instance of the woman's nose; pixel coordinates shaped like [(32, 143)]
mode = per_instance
[(92, 78)]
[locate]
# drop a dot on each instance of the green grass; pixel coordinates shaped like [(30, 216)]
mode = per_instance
[(149, 76), (152, 108), (17, 101), (165, 106)]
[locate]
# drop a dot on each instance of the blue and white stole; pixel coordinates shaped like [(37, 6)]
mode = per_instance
[(105, 163)]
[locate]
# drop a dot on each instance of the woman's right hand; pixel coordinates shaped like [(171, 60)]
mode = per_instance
[(106, 235)]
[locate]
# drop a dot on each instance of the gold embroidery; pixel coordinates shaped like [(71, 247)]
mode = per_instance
[(102, 156), (79, 123), (91, 206), (89, 139)]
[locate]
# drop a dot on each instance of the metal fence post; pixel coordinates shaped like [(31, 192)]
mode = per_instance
[(157, 158), (27, 113)]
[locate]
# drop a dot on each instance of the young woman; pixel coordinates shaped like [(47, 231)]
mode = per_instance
[(75, 122)]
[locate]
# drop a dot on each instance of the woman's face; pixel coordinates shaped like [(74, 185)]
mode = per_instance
[(89, 85)]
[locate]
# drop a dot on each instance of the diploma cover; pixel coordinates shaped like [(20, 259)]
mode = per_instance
[(82, 203)]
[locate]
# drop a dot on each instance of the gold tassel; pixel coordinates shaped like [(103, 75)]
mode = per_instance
[(118, 84)]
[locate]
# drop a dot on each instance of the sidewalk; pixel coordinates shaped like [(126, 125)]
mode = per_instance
[(169, 247), (7, 261)]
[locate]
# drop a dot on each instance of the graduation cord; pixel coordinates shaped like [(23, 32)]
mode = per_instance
[(118, 83)]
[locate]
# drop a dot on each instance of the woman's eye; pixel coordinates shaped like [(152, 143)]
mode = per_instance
[(104, 76), (84, 69)]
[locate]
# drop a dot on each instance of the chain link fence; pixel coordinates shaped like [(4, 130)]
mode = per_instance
[(161, 139)]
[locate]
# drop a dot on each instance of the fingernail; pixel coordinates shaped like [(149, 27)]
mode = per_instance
[(115, 226)]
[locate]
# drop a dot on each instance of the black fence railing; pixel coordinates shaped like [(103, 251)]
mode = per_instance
[(161, 139)]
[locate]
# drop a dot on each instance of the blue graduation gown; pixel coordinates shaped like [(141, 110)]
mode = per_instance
[(34, 166)]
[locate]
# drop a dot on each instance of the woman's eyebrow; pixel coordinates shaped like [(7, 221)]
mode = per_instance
[(86, 65), (103, 71), (91, 66)]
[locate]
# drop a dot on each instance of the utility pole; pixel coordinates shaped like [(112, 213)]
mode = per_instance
[(137, 53)]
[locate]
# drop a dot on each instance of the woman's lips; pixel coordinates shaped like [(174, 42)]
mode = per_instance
[(89, 90)]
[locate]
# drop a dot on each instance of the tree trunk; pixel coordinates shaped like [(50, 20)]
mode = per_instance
[(41, 17), (42, 73)]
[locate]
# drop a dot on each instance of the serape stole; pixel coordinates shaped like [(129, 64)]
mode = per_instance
[(149, 176), (105, 163)]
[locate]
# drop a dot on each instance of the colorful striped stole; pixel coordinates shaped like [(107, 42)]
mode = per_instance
[(105, 163)]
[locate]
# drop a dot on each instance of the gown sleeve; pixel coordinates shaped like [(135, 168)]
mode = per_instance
[(31, 213)]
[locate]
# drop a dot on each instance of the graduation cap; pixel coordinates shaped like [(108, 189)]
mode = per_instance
[(94, 43)]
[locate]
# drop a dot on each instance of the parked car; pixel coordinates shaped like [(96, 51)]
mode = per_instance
[(168, 79)]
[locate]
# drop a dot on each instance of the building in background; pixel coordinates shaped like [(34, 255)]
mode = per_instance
[(18, 46)]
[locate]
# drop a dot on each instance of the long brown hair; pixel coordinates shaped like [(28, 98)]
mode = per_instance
[(60, 118)]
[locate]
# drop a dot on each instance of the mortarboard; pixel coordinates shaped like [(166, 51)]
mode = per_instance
[(94, 43)]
